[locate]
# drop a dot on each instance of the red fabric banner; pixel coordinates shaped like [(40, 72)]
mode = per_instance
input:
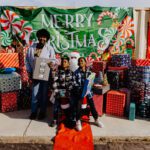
[(70, 139)]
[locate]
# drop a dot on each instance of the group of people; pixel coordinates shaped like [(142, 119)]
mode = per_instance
[(66, 85)]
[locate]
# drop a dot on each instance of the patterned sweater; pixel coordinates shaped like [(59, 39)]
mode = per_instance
[(79, 78), (63, 84)]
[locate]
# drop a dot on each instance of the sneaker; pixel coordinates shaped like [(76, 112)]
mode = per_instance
[(99, 124), (78, 125), (53, 123), (33, 116)]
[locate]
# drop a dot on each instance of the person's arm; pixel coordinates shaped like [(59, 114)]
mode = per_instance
[(28, 65), (52, 57), (56, 82)]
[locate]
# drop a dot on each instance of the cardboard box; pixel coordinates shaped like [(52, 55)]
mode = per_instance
[(41, 70), (10, 82), (9, 60)]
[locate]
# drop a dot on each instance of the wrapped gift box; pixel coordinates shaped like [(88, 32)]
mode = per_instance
[(101, 89), (119, 60), (10, 82), (42, 70), (144, 109), (139, 73), (132, 111), (99, 66), (141, 62), (147, 90), (115, 103), (123, 73), (9, 60), (137, 91), (118, 68), (8, 101), (98, 101), (116, 79), (128, 98)]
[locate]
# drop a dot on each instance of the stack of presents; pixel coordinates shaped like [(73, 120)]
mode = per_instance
[(14, 87), (127, 92), (121, 87)]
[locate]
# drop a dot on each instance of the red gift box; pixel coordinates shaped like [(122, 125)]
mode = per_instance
[(9, 60), (115, 103), (98, 101), (99, 66), (118, 68), (141, 62), (8, 101)]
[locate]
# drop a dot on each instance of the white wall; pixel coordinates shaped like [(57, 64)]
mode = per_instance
[(76, 3), (141, 18)]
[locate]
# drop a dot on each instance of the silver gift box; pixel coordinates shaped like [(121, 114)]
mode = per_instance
[(10, 82), (41, 70)]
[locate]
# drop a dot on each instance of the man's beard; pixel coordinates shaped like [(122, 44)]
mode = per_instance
[(73, 64)]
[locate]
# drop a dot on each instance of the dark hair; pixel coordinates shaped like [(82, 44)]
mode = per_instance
[(43, 32), (65, 58), (80, 59)]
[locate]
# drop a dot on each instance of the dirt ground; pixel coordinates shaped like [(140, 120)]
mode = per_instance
[(99, 144), (108, 146)]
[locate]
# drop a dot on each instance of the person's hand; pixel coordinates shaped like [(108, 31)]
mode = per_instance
[(30, 75), (19, 47), (50, 64)]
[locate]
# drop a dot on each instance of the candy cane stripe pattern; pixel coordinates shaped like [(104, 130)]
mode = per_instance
[(26, 28), (89, 60), (105, 13), (7, 60), (131, 40), (126, 28), (5, 38), (10, 21), (119, 41)]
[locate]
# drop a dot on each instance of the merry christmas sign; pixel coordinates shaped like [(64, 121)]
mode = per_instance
[(87, 30)]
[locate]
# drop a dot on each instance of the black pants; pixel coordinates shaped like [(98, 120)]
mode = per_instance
[(76, 106), (57, 108)]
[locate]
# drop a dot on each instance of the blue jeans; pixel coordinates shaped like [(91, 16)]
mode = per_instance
[(39, 96)]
